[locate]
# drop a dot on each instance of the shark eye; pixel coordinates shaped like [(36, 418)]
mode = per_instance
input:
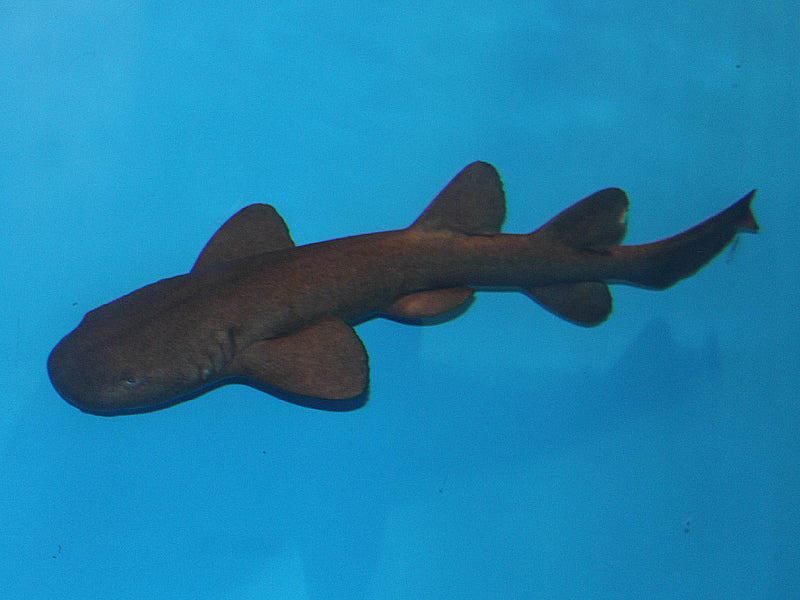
[(130, 381)]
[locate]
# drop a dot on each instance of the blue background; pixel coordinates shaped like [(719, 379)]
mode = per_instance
[(506, 454)]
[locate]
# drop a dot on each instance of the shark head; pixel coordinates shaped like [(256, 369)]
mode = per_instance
[(115, 363), (103, 376)]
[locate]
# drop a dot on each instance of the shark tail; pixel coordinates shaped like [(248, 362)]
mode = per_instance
[(597, 224), (659, 265), (594, 224)]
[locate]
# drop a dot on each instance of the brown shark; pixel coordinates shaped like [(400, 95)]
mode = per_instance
[(255, 309)]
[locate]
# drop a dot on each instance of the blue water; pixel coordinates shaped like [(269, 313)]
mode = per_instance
[(506, 454)]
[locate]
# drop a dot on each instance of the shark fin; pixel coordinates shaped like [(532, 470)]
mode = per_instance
[(658, 265), (595, 223), (255, 229), (584, 303), (473, 202), (325, 360), (430, 303)]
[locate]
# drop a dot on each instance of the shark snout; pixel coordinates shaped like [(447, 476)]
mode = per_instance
[(62, 374), (74, 376)]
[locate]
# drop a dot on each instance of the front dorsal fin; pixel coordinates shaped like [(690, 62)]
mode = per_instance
[(255, 229), (473, 202), (325, 360)]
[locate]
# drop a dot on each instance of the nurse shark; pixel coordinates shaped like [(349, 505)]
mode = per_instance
[(256, 309)]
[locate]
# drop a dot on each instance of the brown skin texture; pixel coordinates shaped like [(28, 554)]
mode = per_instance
[(279, 319)]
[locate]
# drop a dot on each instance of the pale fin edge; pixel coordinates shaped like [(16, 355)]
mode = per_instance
[(594, 223)]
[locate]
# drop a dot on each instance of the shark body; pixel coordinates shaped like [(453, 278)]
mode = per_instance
[(256, 309)]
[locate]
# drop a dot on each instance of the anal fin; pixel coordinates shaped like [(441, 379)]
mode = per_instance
[(325, 360), (584, 303)]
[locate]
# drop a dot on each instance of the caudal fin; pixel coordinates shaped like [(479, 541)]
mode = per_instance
[(597, 224), (662, 264)]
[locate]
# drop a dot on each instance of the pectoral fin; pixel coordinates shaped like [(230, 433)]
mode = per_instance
[(325, 360)]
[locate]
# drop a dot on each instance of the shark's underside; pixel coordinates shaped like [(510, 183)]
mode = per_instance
[(256, 309)]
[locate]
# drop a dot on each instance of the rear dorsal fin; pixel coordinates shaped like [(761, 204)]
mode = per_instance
[(473, 202), (255, 229), (594, 223)]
